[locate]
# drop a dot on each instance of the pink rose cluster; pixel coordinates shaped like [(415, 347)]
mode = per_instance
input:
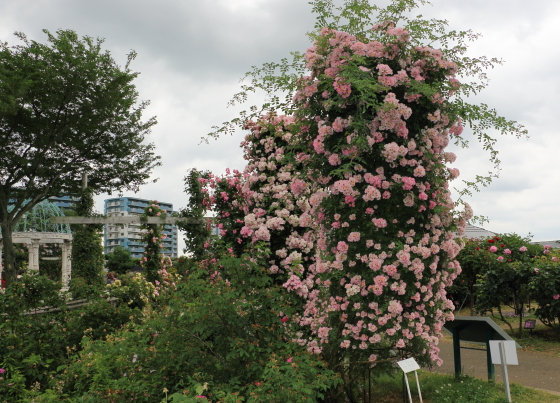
[(355, 209), (397, 177)]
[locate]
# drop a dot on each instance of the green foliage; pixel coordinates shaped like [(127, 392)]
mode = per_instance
[(545, 290), (183, 263), (36, 345), (51, 268), (462, 390), (87, 250), (474, 261), (22, 257), (119, 261), (133, 290), (439, 388), (509, 259), (66, 109), (197, 231), (220, 338)]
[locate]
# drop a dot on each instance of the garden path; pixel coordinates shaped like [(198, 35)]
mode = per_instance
[(535, 370)]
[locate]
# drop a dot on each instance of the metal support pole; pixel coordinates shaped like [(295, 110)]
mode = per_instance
[(408, 388), (489, 364), (503, 360), (457, 352), (418, 386)]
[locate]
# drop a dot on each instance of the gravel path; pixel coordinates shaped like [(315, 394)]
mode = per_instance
[(535, 370)]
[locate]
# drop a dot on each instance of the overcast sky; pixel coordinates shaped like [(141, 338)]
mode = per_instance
[(192, 53)]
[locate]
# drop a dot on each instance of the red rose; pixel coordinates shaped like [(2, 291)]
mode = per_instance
[(491, 241)]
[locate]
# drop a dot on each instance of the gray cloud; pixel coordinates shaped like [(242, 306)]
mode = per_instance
[(191, 54)]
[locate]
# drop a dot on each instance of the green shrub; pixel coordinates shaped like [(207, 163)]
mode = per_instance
[(224, 334), (119, 261), (35, 346), (545, 290)]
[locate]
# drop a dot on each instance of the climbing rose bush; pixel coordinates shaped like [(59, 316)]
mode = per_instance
[(154, 260), (349, 199), (378, 122)]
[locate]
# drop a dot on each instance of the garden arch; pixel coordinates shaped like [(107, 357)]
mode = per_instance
[(34, 239)]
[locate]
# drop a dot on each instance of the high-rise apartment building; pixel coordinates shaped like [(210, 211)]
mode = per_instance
[(64, 202), (128, 236)]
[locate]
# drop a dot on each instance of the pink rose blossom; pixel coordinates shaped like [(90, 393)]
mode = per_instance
[(334, 159), (342, 247)]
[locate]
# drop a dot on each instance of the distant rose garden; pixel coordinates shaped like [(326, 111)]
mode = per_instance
[(340, 249)]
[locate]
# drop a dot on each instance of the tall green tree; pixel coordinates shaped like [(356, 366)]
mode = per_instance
[(119, 261), (66, 109)]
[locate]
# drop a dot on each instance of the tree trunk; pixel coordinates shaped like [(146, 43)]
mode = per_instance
[(9, 253)]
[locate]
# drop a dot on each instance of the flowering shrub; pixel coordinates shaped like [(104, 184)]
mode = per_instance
[(544, 288), (277, 197), (155, 261), (380, 125), (132, 289), (223, 195), (368, 134), (349, 199), (346, 203), (504, 278)]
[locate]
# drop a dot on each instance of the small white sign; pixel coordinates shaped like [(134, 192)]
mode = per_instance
[(511, 352), (408, 365)]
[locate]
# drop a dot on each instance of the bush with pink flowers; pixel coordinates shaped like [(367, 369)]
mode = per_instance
[(350, 198), (346, 202), (154, 260)]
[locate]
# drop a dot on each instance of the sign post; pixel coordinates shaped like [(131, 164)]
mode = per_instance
[(530, 324), (504, 353), (407, 366), (477, 330)]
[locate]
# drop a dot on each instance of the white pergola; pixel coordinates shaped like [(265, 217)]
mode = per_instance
[(34, 239)]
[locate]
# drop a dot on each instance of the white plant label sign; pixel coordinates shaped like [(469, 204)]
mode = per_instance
[(408, 365), (511, 352)]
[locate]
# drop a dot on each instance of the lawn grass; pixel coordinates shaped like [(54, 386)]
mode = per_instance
[(438, 388)]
